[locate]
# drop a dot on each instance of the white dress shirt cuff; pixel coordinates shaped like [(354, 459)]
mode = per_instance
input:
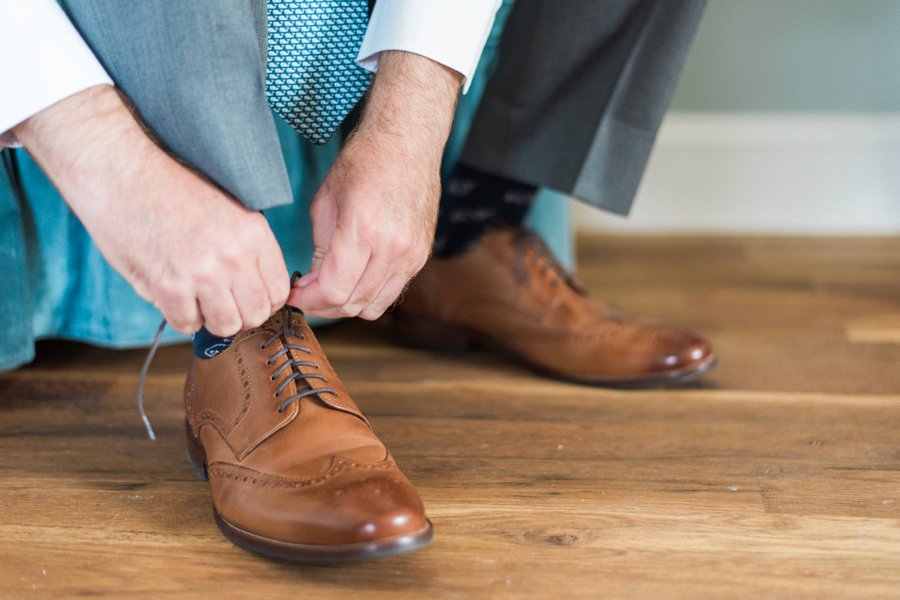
[(451, 32), (43, 60)]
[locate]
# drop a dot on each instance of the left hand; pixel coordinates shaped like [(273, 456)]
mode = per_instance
[(374, 216), (373, 225)]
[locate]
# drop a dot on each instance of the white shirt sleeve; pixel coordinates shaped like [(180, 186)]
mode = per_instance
[(43, 60), (451, 32)]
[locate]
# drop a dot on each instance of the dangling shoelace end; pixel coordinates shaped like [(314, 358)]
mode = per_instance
[(140, 392), (147, 361)]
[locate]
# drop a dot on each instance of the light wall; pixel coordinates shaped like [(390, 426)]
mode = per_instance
[(786, 120)]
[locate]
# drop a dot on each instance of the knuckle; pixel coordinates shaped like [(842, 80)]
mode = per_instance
[(167, 291), (280, 293), (255, 233), (253, 322), (371, 313), (184, 325), (206, 271), (222, 324), (352, 310), (260, 316), (253, 318), (231, 257), (334, 296), (400, 244), (223, 329)]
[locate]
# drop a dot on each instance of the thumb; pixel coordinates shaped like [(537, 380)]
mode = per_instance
[(317, 258), (313, 273), (323, 214)]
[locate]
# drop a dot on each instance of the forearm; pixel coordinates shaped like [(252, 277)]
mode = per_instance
[(374, 215), (79, 142), (158, 223), (411, 105)]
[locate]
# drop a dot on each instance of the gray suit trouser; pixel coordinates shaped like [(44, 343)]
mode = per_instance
[(574, 105)]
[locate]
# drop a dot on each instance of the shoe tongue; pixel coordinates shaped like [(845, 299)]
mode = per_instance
[(341, 401), (276, 321)]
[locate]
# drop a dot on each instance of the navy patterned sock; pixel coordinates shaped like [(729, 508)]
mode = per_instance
[(207, 345), (472, 203)]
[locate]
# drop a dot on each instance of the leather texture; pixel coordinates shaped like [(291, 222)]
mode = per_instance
[(311, 480), (508, 290)]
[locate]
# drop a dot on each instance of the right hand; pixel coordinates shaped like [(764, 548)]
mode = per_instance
[(182, 243)]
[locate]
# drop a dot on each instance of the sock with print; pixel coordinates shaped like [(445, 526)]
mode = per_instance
[(207, 345), (473, 202)]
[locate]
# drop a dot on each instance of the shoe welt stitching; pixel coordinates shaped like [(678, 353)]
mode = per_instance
[(251, 476)]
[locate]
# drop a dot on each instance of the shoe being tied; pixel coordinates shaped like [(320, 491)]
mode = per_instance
[(508, 291), (294, 468)]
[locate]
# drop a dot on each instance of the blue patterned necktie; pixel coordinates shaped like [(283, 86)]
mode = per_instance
[(312, 79)]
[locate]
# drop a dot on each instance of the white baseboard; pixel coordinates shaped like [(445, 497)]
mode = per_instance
[(779, 173)]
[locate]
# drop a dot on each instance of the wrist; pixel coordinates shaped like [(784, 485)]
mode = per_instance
[(411, 103)]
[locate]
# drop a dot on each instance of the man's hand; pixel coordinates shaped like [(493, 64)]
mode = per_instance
[(374, 215), (182, 243)]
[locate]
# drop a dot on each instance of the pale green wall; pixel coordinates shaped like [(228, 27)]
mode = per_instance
[(795, 55)]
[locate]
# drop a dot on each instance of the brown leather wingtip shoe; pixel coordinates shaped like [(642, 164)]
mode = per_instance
[(508, 291), (294, 468)]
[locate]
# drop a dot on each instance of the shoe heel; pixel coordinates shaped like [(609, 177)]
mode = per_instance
[(432, 335), (196, 457)]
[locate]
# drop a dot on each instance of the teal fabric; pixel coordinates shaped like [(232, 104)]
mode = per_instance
[(57, 285)]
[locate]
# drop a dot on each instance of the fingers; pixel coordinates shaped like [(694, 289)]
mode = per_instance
[(396, 284), (355, 281), (182, 314), (224, 310), (385, 297), (252, 300), (329, 291), (313, 273), (274, 275), (252, 286), (374, 217), (378, 288), (317, 258), (390, 292), (221, 316)]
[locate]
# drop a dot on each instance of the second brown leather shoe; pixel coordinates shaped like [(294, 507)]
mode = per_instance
[(294, 468), (508, 291)]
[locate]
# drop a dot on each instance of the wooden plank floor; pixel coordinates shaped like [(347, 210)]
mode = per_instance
[(776, 476)]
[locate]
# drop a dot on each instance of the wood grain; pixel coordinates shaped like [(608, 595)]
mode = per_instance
[(776, 476)]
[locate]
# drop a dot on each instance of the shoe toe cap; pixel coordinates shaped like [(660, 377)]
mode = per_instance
[(680, 351), (357, 505)]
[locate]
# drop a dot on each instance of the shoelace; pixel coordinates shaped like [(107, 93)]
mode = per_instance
[(285, 332), (144, 369), (295, 375), (528, 240)]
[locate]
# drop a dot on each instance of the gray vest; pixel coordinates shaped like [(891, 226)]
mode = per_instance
[(195, 72)]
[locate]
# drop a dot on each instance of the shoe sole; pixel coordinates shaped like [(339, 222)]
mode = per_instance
[(322, 554), (435, 335), (305, 553)]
